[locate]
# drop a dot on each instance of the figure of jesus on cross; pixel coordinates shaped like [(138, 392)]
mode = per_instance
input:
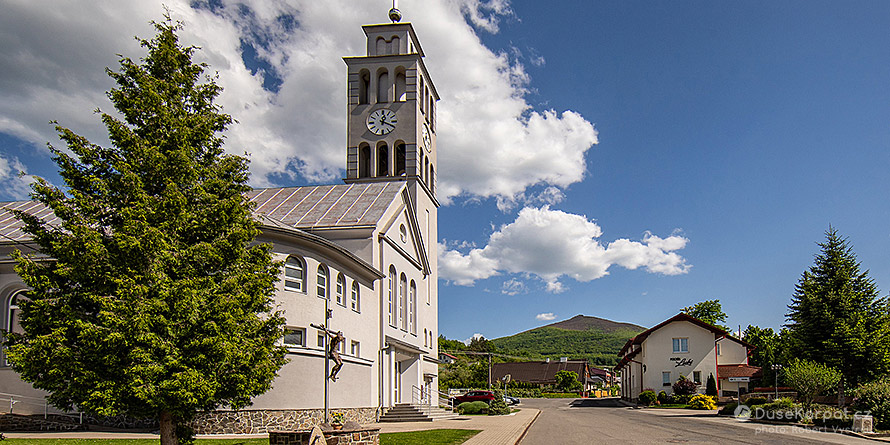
[(334, 352)]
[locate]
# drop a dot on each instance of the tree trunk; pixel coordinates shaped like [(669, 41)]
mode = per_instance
[(168, 429)]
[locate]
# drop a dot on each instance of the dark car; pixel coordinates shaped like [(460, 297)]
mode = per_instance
[(510, 400), (473, 396)]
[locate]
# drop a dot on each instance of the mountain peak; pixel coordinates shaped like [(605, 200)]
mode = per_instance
[(584, 323)]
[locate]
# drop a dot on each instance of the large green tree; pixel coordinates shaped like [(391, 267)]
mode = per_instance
[(150, 297), (836, 316), (769, 349), (708, 311)]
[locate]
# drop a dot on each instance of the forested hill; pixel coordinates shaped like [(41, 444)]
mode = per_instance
[(596, 339)]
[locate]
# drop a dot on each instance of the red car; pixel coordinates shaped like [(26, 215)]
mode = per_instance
[(473, 396)]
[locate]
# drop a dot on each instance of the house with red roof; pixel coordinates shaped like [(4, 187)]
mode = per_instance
[(684, 346)]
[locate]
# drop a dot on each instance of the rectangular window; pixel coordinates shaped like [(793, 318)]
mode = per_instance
[(681, 344), (321, 339), (666, 378), (295, 337), (696, 377), (354, 349), (718, 348)]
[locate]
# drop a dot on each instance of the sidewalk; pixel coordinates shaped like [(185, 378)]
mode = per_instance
[(496, 430)]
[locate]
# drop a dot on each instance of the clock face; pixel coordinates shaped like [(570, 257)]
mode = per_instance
[(427, 140), (382, 121)]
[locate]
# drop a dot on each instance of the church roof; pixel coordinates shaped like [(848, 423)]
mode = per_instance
[(11, 227), (344, 205)]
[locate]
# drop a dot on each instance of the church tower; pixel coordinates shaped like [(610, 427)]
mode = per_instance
[(391, 123)]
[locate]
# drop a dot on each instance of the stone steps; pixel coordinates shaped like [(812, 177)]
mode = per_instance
[(406, 412)]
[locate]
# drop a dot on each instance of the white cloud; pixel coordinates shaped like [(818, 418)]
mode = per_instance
[(552, 244), (15, 183), (56, 58), (513, 287), (546, 316)]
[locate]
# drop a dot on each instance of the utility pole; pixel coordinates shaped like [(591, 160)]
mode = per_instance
[(489, 371), (777, 368)]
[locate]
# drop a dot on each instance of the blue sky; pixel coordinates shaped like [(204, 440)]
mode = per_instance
[(728, 136)]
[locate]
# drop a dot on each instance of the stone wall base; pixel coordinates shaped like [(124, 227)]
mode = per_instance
[(36, 422), (364, 436), (268, 420)]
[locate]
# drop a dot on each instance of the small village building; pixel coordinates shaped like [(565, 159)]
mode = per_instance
[(684, 346), (543, 373), (446, 358)]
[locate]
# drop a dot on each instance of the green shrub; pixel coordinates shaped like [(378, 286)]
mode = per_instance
[(680, 399), (702, 401), (783, 410), (754, 401), (527, 393), (476, 407), (875, 397), (663, 398), (559, 395), (728, 409), (647, 398), (711, 388), (498, 407)]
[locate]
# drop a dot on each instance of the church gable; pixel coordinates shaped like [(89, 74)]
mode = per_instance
[(402, 231)]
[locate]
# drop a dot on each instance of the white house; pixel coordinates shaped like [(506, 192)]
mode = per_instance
[(683, 346), (366, 249)]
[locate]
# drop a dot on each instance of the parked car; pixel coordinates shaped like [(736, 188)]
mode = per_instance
[(473, 396), (509, 400)]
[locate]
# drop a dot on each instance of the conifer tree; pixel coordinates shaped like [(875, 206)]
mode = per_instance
[(836, 316), (150, 299)]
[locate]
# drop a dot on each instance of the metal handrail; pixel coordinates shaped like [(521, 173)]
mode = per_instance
[(14, 399)]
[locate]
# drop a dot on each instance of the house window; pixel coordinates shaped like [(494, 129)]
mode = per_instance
[(321, 284), (681, 345), (718, 348), (424, 338), (320, 339), (13, 314), (696, 377), (354, 349), (356, 303), (341, 290), (295, 337), (294, 275), (666, 378)]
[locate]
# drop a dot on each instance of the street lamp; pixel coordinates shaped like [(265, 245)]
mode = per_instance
[(776, 368)]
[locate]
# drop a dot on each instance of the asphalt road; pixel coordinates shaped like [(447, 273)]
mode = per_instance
[(594, 421)]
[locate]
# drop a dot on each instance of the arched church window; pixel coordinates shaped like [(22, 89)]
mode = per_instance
[(412, 308), (382, 160), (341, 290), (321, 282), (381, 46), (421, 174), (403, 302), (295, 274), (419, 96), (426, 169), (400, 159), (383, 86), (391, 293), (401, 88), (356, 298), (394, 45), (432, 179), (364, 161), (13, 313), (364, 87)]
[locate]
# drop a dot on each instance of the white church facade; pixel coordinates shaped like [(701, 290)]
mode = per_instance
[(358, 257)]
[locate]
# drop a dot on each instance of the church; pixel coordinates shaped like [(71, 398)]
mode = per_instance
[(359, 258)]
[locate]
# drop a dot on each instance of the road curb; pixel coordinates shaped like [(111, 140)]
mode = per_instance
[(526, 428)]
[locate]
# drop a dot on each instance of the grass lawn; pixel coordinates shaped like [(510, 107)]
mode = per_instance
[(431, 437), (256, 441)]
